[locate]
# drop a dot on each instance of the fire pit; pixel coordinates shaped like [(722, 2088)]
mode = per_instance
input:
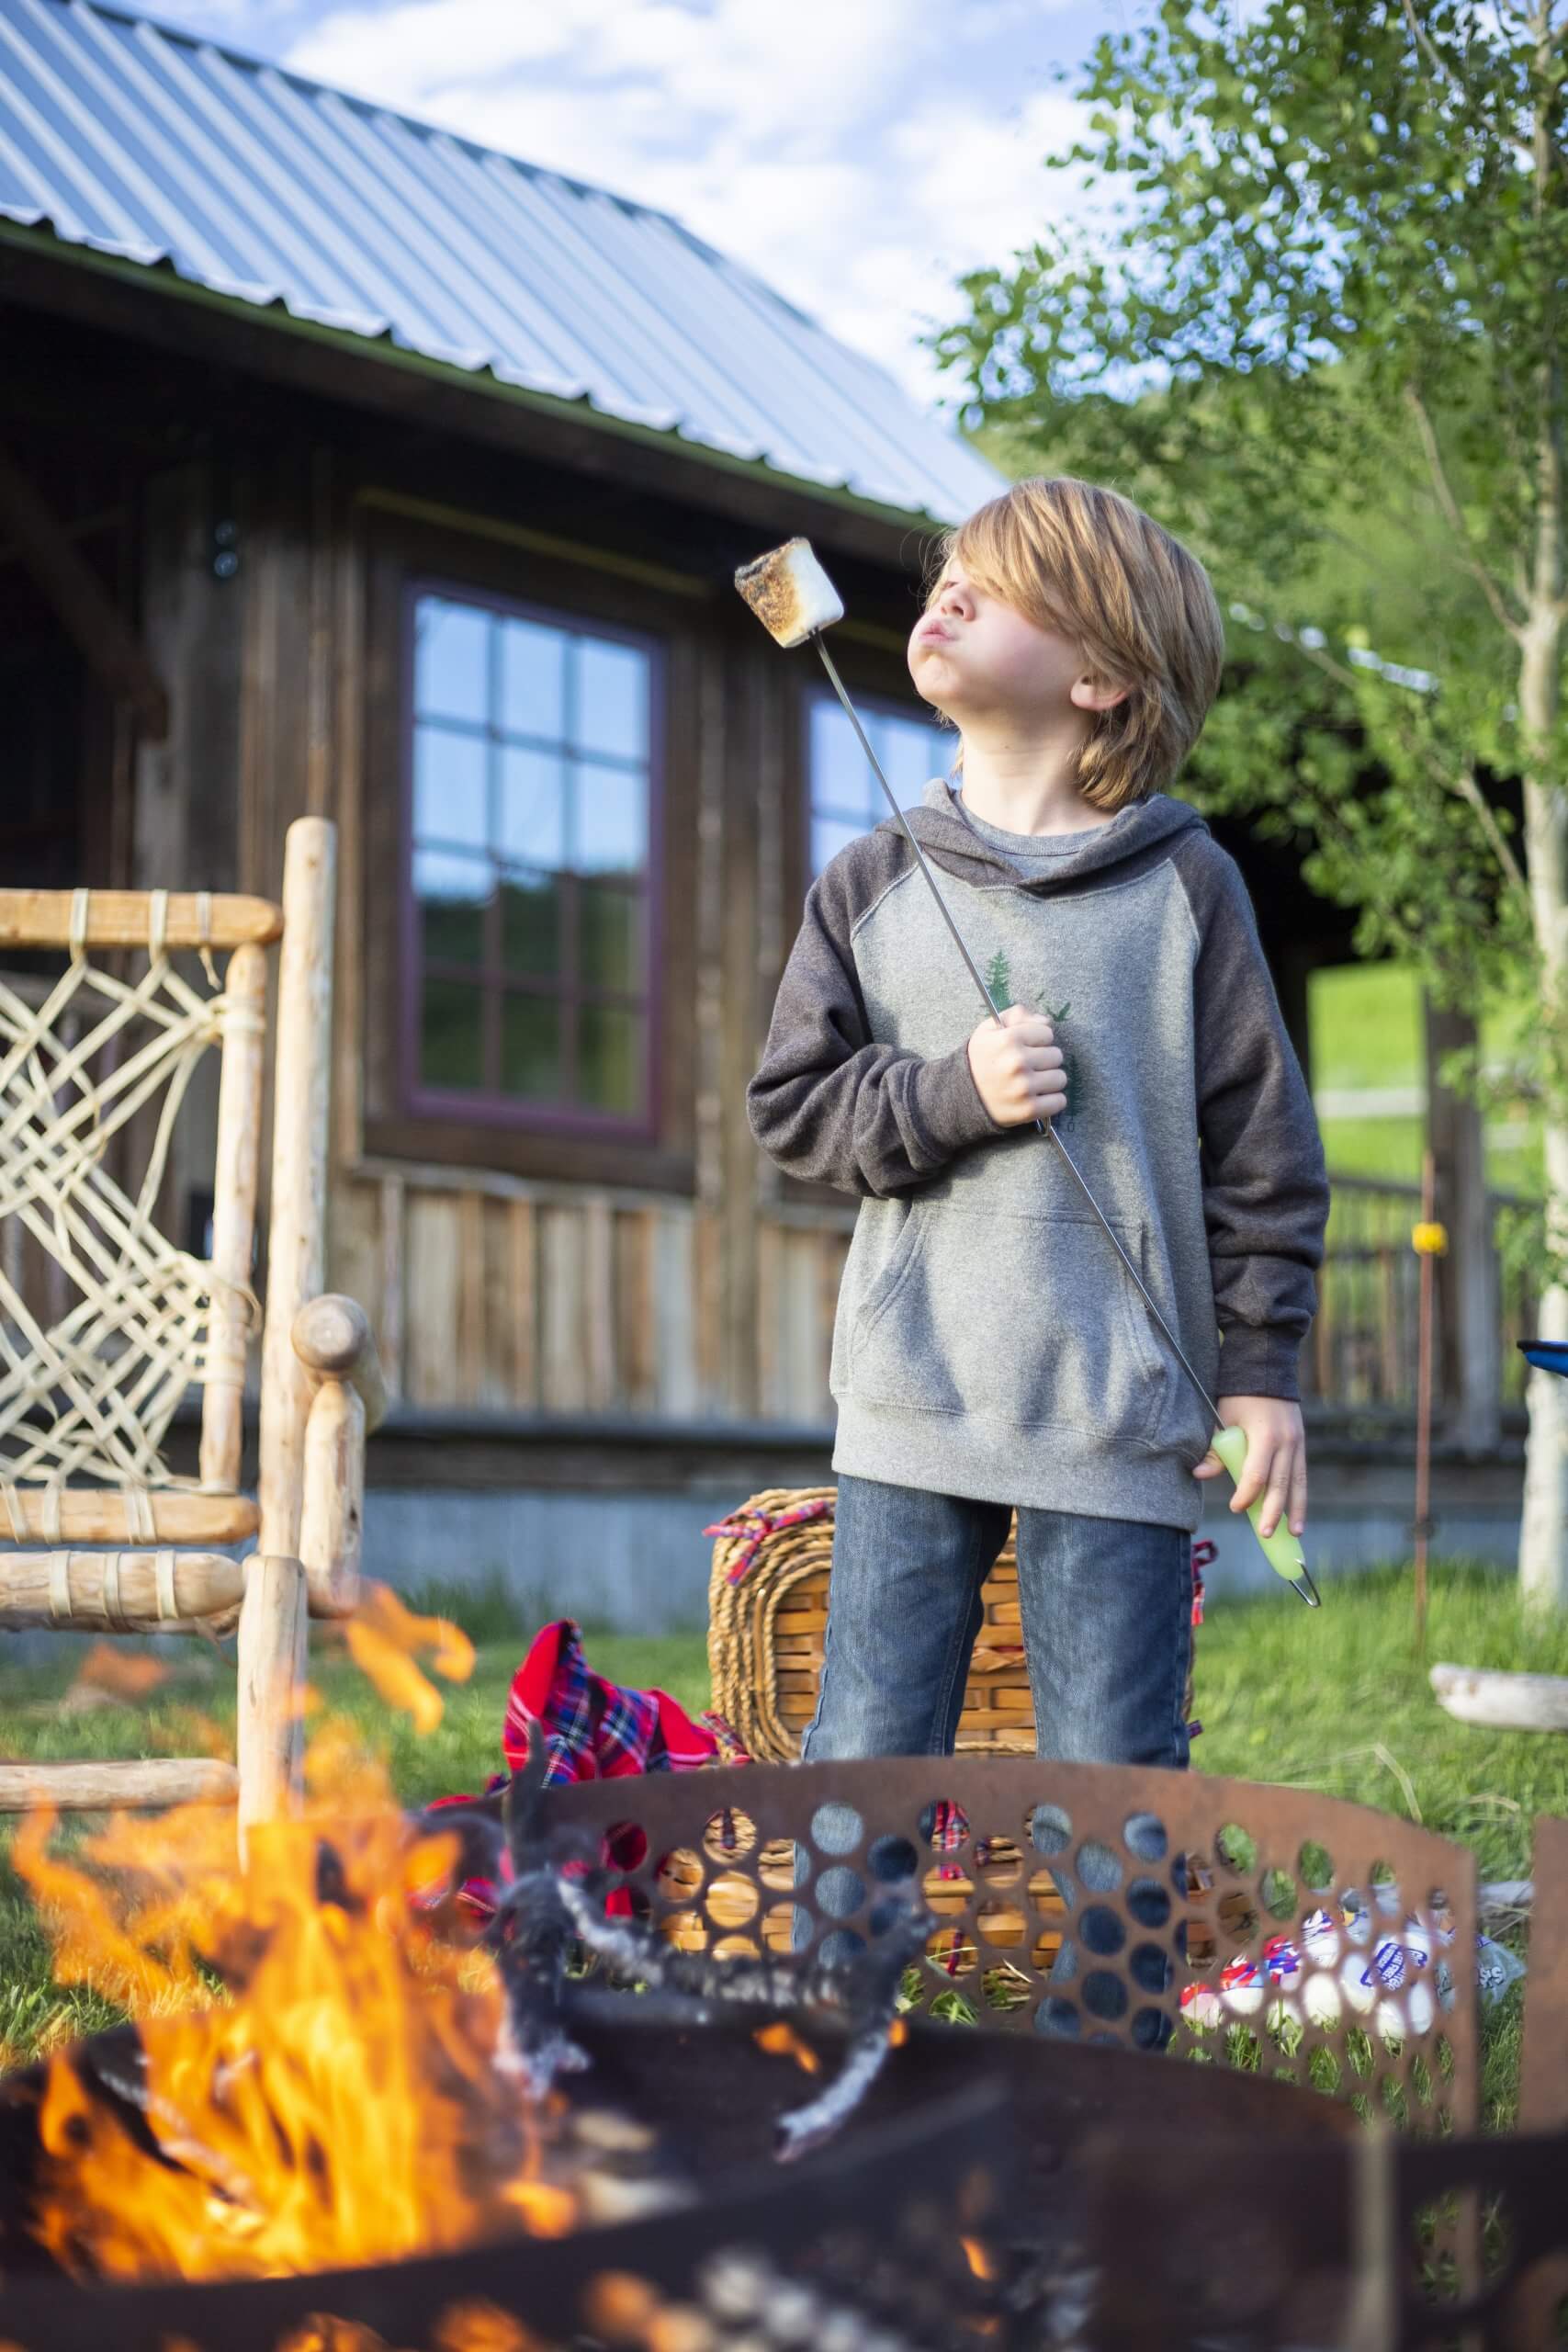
[(144, 2150), (784, 1929)]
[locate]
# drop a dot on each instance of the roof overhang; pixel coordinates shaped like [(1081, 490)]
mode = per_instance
[(154, 304)]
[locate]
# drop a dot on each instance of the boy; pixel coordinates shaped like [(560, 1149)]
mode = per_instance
[(989, 1351)]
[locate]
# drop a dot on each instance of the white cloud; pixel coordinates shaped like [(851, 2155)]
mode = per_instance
[(857, 154)]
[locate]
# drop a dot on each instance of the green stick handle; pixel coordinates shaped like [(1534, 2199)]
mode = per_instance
[(1282, 1550)]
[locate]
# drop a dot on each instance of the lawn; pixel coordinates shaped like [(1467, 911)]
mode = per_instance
[(1335, 1701), (1365, 1023)]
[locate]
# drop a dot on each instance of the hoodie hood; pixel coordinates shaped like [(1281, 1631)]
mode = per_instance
[(949, 841)]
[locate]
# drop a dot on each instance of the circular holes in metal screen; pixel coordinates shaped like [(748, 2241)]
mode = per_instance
[(1314, 1865), (687, 1930), (781, 1866), (944, 1826), (730, 1836), (1236, 1848), (732, 1900), (1148, 1903), (840, 1892), (837, 1829), (1237, 1915), (1048, 1829), (1001, 1923), (625, 1847), (1101, 1930), (997, 1862), (788, 1927), (951, 1952), (678, 1876), (1144, 1835), (1098, 1869), (892, 1861)]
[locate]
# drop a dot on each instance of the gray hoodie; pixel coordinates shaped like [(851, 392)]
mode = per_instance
[(989, 1342)]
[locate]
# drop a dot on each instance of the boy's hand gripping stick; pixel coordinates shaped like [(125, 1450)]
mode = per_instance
[(796, 601)]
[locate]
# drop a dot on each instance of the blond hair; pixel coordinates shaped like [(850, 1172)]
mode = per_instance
[(1090, 565)]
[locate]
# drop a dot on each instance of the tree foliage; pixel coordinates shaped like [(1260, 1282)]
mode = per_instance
[(1313, 326)]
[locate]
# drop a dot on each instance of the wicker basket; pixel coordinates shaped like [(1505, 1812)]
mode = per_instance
[(765, 1632)]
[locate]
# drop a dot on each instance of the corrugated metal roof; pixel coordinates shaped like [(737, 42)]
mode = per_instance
[(121, 136)]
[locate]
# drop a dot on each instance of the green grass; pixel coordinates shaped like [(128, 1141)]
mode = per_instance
[(1365, 1021), (1336, 1702)]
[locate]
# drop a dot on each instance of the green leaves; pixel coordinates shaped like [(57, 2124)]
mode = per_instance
[(1320, 342)]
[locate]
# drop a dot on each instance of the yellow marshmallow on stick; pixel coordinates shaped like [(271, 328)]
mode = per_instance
[(796, 601)]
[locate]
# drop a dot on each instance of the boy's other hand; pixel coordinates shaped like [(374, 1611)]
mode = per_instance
[(1017, 1067), (1276, 1459)]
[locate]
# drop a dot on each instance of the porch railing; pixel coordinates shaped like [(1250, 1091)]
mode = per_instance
[(1362, 1352)]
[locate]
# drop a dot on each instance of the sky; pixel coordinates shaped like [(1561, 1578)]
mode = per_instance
[(858, 154)]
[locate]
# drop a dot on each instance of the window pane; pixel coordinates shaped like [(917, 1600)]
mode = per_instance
[(531, 925), (912, 753), (532, 819), (533, 666), (450, 801), (609, 819), (612, 699), (530, 1048), (451, 1038), (609, 939), (451, 659), (452, 893), (827, 838), (610, 1058), (841, 777)]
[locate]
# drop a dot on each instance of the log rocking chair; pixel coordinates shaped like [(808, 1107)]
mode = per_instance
[(107, 1323)]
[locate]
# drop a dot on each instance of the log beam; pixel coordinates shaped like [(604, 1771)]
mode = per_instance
[(1502, 1701), (147, 1780), (103, 637)]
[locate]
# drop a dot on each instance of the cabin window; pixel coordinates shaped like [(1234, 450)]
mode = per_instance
[(845, 797), (532, 799)]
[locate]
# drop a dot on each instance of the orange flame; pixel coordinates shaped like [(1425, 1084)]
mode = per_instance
[(123, 1674), (384, 1638), (980, 2259), (343, 2105), (781, 2040)]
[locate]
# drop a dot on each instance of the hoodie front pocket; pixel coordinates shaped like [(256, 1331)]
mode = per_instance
[(1030, 1320)]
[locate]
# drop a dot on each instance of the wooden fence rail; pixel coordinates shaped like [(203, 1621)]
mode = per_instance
[(1362, 1352)]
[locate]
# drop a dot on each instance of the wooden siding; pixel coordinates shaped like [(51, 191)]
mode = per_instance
[(494, 1296)]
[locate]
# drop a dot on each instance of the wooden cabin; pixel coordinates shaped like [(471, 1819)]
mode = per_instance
[(347, 467)]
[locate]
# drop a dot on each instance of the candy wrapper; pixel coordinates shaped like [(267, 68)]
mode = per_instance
[(1358, 1957)]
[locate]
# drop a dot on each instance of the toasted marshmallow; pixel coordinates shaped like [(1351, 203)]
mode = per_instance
[(790, 593)]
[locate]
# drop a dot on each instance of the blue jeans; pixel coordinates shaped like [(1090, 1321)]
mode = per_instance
[(1107, 1609)]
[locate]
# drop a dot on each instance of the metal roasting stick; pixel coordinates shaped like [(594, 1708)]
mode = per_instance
[(1302, 1581)]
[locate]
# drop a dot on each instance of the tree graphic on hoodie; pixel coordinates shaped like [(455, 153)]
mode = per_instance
[(998, 980)]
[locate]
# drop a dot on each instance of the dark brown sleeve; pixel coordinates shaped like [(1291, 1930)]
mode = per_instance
[(1265, 1189), (831, 1103)]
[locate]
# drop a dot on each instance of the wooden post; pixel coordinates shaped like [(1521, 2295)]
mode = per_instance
[(296, 1268), (1468, 1377), (1424, 1396), (236, 1169), (333, 1340), (272, 1622), (272, 1687)]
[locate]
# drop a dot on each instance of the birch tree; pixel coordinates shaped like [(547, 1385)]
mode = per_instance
[(1318, 304)]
